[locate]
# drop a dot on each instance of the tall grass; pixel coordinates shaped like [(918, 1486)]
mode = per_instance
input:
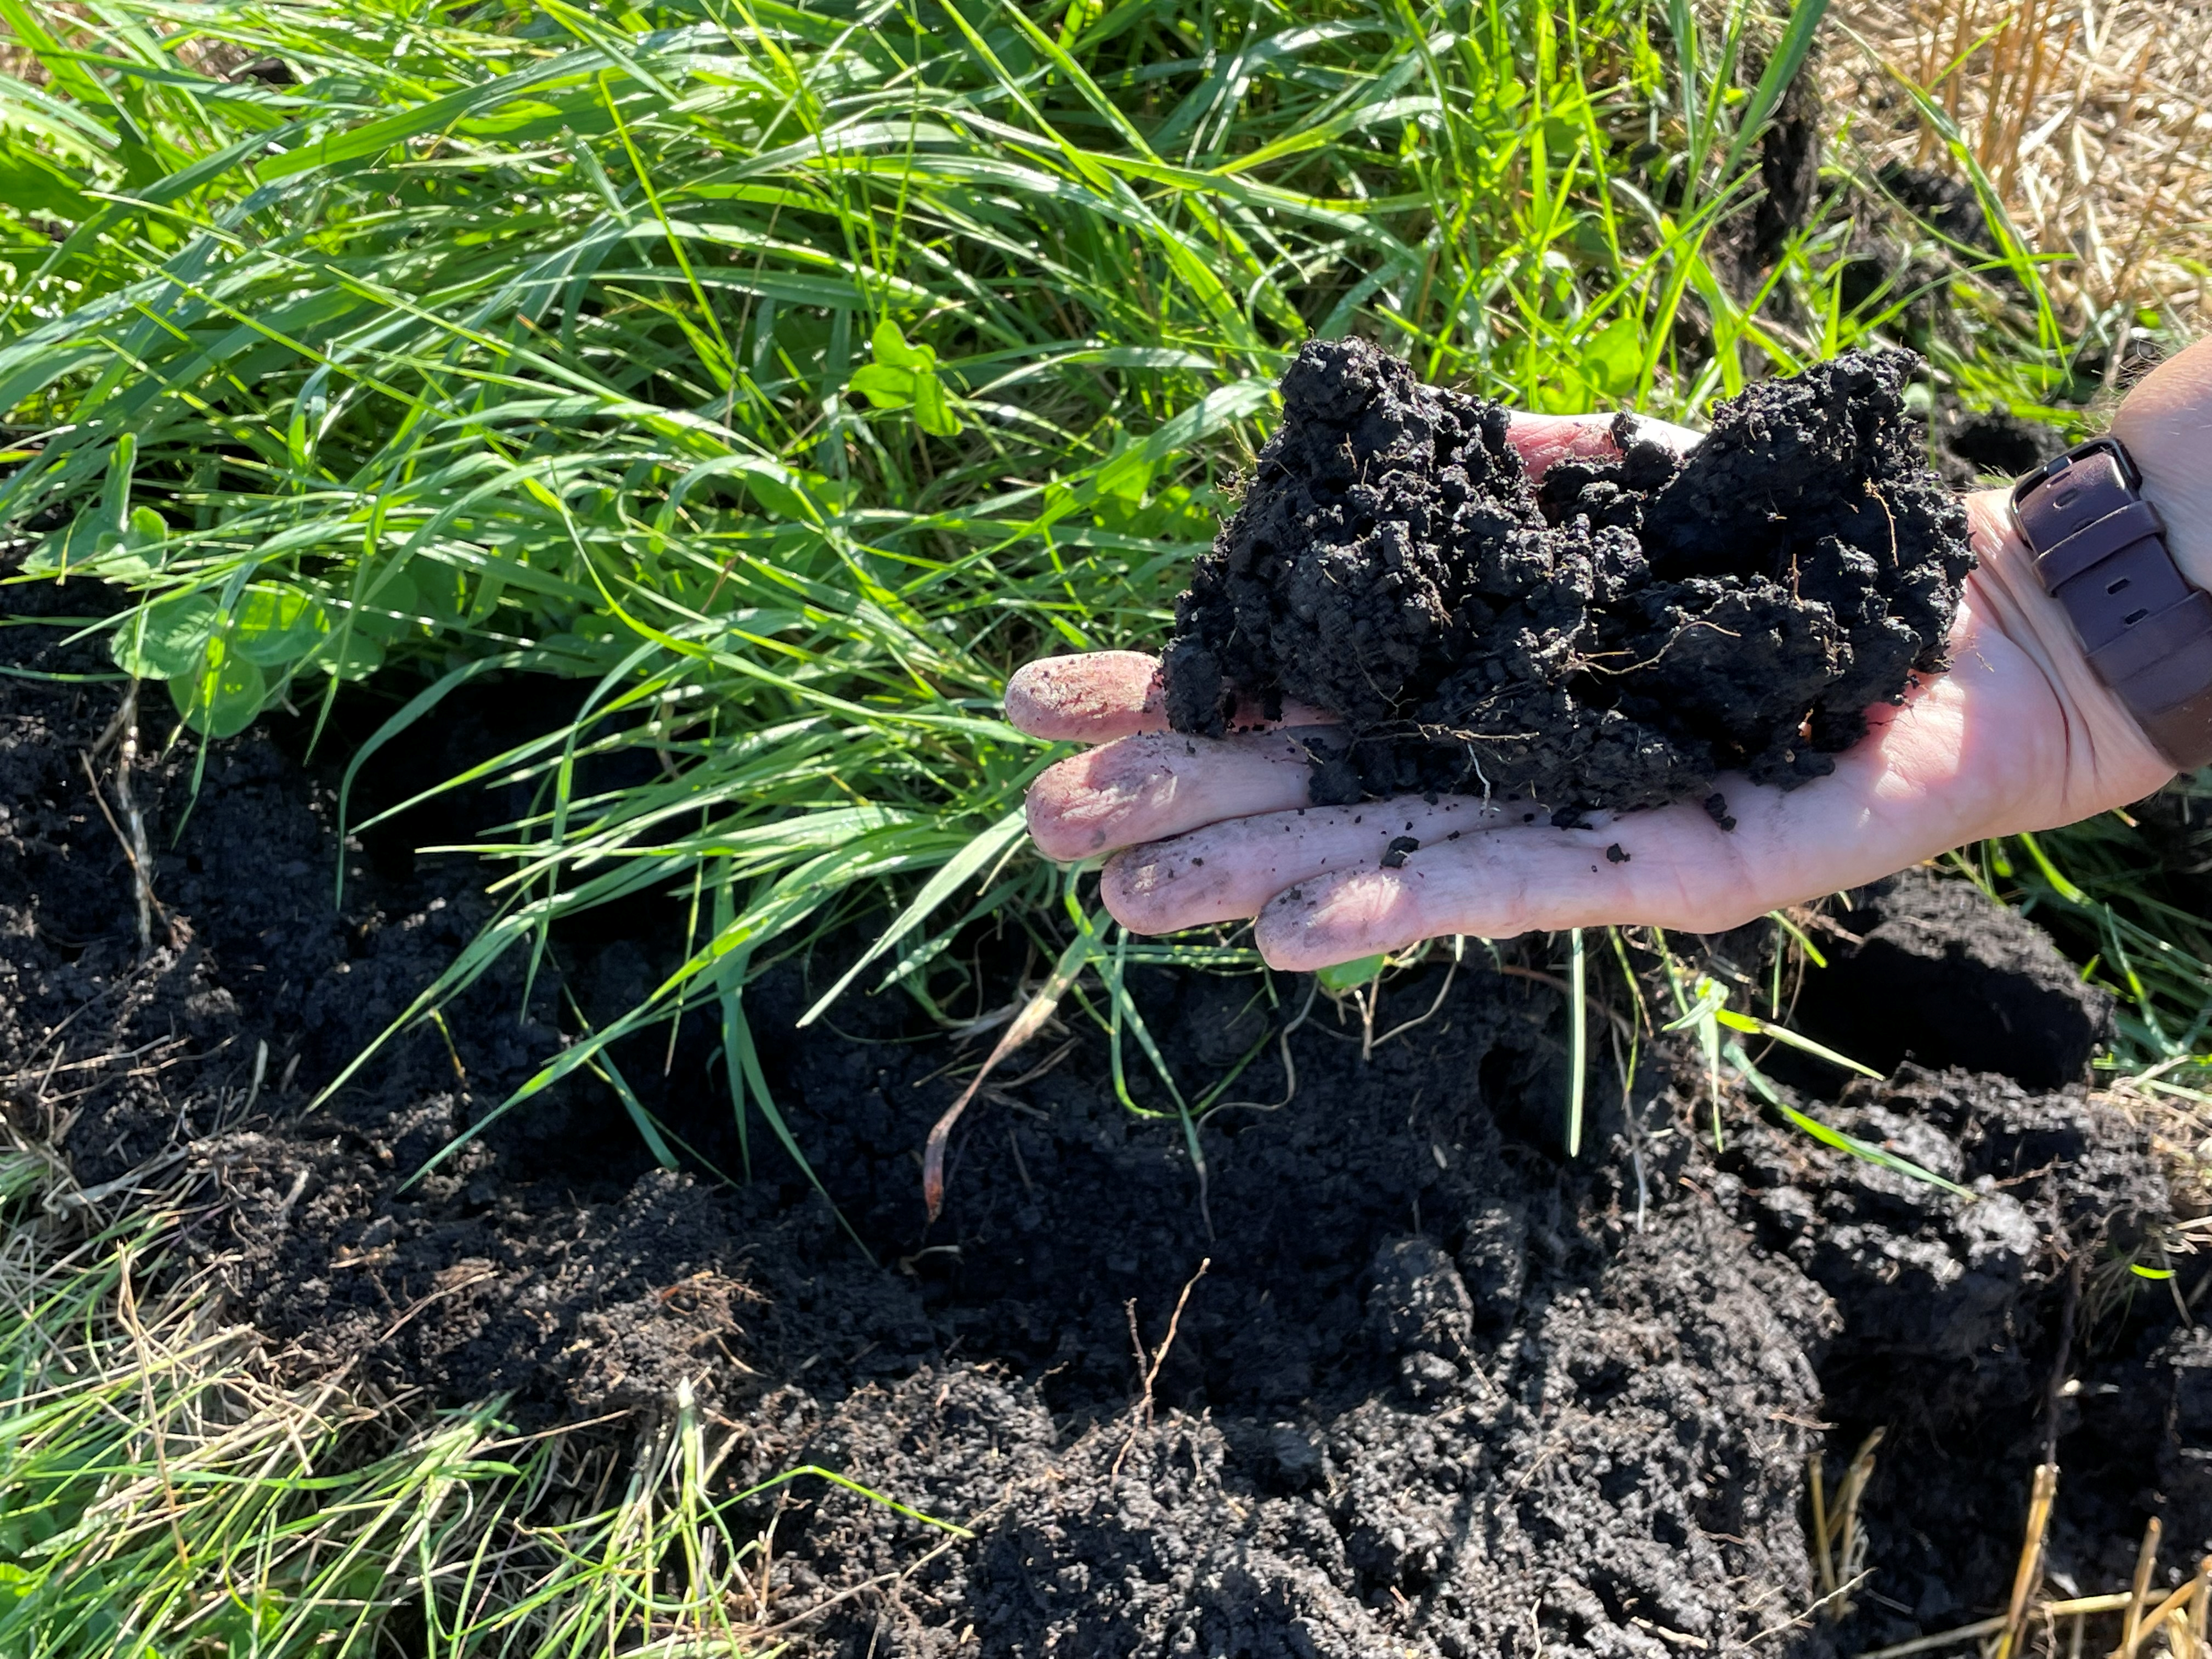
[(786, 375)]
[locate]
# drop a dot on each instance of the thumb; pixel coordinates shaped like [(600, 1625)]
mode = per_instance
[(1544, 440)]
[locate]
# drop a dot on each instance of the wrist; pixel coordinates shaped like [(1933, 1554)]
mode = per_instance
[(2109, 758), (2166, 424)]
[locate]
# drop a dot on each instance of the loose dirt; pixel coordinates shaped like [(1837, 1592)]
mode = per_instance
[(1438, 1390), (1614, 638)]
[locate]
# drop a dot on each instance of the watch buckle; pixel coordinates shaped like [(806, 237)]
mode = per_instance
[(2058, 463)]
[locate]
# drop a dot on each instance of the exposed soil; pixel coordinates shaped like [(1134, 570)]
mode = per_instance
[(1921, 969), (1439, 1391), (1981, 446), (1614, 638)]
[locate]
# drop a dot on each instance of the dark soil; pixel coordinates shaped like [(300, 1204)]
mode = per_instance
[(1439, 1391), (1614, 638), (1921, 967)]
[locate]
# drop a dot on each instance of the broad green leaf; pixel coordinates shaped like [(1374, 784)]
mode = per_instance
[(102, 540), (441, 591), (387, 605), (892, 350), (69, 548), (276, 625), (932, 409), (349, 653), (220, 698), (1615, 358), (145, 528), (165, 639), (883, 387)]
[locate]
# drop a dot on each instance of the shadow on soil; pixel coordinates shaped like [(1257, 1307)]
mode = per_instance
[(1439, 1391)]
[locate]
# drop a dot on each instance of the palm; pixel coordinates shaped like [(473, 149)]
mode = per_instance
[(2017, 736)]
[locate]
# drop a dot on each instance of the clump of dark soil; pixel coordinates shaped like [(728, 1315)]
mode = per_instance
[(1614, 638), (1918, 966), (1440, 1390)]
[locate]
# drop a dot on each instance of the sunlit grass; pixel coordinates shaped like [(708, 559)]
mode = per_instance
[(780, 377)]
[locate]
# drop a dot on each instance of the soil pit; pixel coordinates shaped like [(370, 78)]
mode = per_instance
[(1613, 637), (1439, 1391)]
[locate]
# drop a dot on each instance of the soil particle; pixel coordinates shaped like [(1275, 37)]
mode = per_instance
[(1612, 639), (1441, 1391), (1924, 968)]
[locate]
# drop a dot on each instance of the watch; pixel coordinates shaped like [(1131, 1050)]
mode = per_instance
[(2100, 550)]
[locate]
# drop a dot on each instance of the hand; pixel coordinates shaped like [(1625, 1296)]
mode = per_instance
[(2020, 735)]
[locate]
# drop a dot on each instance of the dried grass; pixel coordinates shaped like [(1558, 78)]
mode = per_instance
[(221, 58), (2090, 118)]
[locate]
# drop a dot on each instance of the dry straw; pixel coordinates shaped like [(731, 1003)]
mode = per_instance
[(2089, 116)]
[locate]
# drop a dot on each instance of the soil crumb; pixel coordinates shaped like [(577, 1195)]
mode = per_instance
[(1613, 636)]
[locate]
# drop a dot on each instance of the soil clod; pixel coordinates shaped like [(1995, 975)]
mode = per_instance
[(1614, 635), (1923, 969)]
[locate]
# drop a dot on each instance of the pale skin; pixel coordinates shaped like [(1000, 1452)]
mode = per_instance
[(2020, 735)]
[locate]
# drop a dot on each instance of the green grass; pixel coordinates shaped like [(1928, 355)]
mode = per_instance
[(781, 377), (790, 374)]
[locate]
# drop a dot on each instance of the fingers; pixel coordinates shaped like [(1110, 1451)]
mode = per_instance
[(1227, 872), (1100, 696), (1155, 784), (1545, 439), (1092, 698), (1905, 792), (1672, 868)]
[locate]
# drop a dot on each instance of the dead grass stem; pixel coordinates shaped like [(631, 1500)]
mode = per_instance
[(2090, 118)]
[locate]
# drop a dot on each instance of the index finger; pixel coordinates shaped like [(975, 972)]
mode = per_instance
[(1092, 698), (1100, 696), (1544, 440)]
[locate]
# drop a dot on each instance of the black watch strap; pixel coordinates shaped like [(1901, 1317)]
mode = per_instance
[(2101, 550)]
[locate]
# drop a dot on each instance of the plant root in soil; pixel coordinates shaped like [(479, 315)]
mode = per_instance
[(1611, 637)]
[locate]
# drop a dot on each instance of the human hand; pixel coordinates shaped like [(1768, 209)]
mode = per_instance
[(2019, 735)]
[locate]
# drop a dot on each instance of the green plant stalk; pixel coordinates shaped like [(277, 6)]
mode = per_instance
[(1578, 1040)]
